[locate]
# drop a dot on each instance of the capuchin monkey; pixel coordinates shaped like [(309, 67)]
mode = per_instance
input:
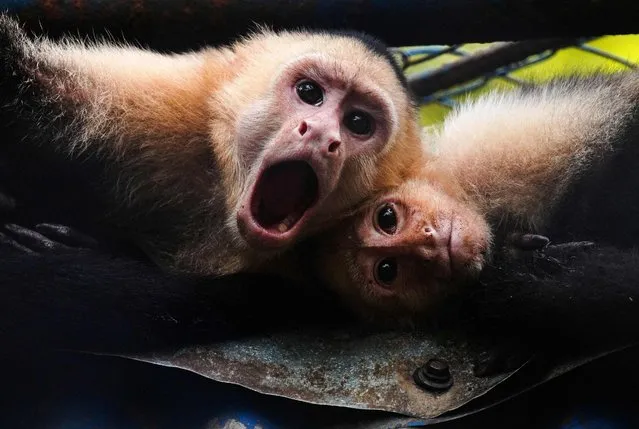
[(211, 162), (559, 160)]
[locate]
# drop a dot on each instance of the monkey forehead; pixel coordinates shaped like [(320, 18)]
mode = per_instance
[(347, 56), (415, 189)]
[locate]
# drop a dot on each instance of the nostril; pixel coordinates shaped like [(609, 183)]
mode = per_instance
[(303, 128), (332, 148), (428, 230)]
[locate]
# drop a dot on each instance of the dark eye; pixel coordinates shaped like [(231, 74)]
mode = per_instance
[(359, 123), (386, 271), (310, 92), (387, 219)]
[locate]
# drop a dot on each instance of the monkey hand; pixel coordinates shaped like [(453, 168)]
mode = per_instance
[(538, 242), (512, 287), (534, 251), (45, 238)]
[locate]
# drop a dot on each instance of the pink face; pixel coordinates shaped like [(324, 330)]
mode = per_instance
[(407, 249), (322, 122)]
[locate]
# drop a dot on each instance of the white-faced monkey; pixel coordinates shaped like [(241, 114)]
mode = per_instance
[(210, 161)]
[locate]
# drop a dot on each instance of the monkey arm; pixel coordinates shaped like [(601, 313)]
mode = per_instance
[(56, 295), (75, 93), (108, 125), (567, 293)]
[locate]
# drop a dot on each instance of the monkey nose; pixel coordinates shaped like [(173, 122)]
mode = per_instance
[(331, 148), (324, 136), (436, 236), (302, 128), (429, 236)]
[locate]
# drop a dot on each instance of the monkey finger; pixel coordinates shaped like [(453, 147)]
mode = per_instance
[(529, 241), (548, 264), (32, 240), (6, 241), (567, 249), (66, 235)]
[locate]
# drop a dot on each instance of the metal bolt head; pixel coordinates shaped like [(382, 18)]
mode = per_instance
[(434, 375), (437, 368)]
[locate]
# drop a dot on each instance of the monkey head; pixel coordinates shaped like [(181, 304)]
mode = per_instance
[(313, 133), (405, 250)]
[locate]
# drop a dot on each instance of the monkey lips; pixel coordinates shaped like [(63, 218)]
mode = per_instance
[(283, 195)]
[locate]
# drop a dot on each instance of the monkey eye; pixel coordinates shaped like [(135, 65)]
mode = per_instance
[(360, 123), (386, 219), (310, 92), (386, 271)]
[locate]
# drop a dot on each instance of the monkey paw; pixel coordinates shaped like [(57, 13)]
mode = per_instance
[(565, 251), (538, 242), (46, 238), (535, 250)]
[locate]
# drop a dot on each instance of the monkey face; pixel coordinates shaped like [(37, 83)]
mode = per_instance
[(406, 250), (319, 122)]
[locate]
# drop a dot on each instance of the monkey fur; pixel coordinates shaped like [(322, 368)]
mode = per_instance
[(210, 161), (120, 127), (559, 160), (571, 294), (61, 290)]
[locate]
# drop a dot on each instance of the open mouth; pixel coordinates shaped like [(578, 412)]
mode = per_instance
[(283, 194)]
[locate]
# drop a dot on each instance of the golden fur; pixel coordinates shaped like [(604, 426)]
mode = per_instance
[(162, 122), (516, 155), (498, 164)]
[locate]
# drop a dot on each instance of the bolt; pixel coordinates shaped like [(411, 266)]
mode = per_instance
[(434, 375)]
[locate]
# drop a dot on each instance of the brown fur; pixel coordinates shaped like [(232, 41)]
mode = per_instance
[(168, 129)]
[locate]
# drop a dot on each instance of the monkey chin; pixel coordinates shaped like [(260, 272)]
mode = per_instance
[(282, 201)]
